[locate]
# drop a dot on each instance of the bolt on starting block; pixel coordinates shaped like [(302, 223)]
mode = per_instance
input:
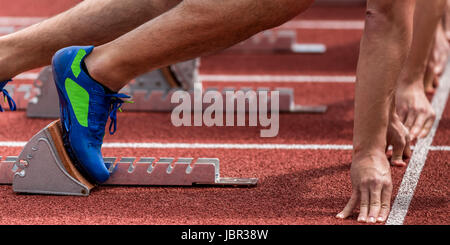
[(44, 167)]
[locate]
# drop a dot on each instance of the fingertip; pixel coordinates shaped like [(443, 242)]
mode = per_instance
[(423, 134), (381, 219), (398, 163), (413, 134)]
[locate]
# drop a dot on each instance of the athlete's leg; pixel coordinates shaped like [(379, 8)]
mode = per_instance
[(384, 47), (414, 115), (191, 29), (90, 22), (86, 78)]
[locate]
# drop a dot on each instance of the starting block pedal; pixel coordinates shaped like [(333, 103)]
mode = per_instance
[(44, 167), (43, 101)]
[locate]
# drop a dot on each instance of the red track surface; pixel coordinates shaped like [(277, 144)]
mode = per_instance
[(295, 186)]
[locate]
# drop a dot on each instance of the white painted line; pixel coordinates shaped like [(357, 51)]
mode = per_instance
[(247, 78), (277, 78), (324, 24), (440, 148), (27, 76), (19, 21), (6, 29), (230, 146), (155, 145), (419, 156), (309, 48), (294, 24), (12, 143)]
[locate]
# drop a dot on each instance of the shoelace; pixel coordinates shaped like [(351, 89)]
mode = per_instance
[(7, 97), (116, 104)]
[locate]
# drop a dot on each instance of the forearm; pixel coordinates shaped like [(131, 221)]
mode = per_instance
[(384, 47)]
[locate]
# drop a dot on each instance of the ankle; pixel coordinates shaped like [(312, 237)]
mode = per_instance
[(103, 71)]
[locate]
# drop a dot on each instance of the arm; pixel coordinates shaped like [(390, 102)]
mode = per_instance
[(84, 24), (413, 107), (384, 47), (412, 115)]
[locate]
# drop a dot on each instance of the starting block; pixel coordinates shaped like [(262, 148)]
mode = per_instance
[(277, 40), (157, 100), (44, 167), (150, 92)]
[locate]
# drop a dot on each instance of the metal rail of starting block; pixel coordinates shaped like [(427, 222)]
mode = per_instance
[(42, 168)]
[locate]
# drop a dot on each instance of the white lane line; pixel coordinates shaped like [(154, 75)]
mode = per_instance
[(230, 146), (324, 24), (154, 145), (19, 21), (27, 76), (12, 143), (440, 148), (6, 29), (246, 78), (294, 24), (419, 157), (276, 78)]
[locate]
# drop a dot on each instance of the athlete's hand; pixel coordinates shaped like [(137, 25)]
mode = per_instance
[(372, 188), (398, 137), (414, 110)]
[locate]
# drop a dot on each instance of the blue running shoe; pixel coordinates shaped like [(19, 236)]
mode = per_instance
[(85, 106), (7, 97)]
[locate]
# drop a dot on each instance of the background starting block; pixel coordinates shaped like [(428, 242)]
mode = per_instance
[(150, 92), (277, 40)]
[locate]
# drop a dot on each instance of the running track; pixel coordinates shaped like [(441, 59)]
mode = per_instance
[(303, 173)]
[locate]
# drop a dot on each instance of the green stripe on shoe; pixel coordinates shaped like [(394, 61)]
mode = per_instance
[(79, 99), (76, 64)]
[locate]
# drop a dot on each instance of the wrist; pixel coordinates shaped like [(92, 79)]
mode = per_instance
[(370, 137), (369, 145), (410, 81), (360, 154)]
